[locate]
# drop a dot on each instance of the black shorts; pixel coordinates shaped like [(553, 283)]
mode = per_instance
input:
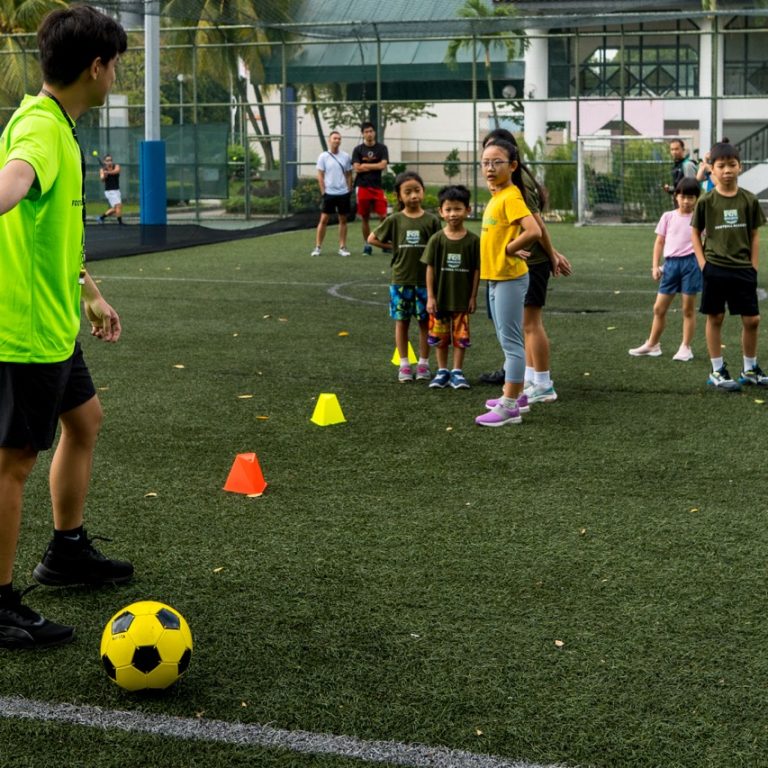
[(735, 287), (537, 284), (34, 395), (336, 204)]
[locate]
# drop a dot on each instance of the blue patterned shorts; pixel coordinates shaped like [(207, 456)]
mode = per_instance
[(407, 301)]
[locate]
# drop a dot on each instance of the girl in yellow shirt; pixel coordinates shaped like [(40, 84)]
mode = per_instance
[(508, 228)]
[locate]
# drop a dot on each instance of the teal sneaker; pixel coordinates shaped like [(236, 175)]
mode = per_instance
[(722, 380), (541, 394), (754, 377)]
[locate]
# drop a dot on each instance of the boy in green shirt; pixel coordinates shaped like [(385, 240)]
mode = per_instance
[(452, 257), (728, 258), (43, 378)]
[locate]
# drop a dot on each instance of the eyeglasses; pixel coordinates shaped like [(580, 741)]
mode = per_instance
[(493, 163)]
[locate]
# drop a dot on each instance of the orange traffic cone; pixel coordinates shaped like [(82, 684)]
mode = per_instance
[(245, 475)]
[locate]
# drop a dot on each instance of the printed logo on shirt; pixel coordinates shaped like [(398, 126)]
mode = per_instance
[(453, 261), (413, 237), (731, 220)]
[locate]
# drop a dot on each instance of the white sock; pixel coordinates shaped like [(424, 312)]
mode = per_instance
[(717, 363), (508, 402), (424, 361), (405, 362), (541, 379), (529, 373), (749, 363)]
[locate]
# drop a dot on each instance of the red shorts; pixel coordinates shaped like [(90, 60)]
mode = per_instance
[(371, 199)]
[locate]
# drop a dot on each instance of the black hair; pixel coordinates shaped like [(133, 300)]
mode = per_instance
[(688, 186), (723, 149), (367, 124), (70, 39), (678, 141), (457, 192), (400, 179), (500, 133)]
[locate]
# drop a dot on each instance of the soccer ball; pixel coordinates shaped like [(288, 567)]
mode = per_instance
[(146, 645)]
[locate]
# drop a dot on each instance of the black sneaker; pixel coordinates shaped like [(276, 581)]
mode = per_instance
[(21, 627), (494, 377), (79, 562)]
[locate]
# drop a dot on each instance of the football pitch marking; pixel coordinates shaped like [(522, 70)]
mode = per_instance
[(246, 734)]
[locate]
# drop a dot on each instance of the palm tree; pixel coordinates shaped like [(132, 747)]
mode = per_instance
[(19, 71), (513, 42), (220, 46)]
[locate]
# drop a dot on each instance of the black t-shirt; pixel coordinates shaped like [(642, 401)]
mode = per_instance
[(112, 181), (362, 153)]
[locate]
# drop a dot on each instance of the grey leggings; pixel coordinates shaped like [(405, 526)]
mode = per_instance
[(505, 300)]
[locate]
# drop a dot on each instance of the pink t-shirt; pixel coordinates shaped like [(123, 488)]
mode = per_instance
[(675, 228)]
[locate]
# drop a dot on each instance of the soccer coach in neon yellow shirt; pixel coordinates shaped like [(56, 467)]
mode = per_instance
[(43, 378)]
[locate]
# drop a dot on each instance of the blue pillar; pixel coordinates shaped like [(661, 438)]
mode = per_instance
[(152, 188)]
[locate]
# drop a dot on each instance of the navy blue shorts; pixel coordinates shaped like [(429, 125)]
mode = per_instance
[(681, 274), (34, 395)]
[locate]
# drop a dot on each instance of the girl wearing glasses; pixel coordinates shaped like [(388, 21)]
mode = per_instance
[(508, 227)]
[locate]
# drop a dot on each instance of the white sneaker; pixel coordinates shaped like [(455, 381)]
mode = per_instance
[(315, 251), (646, 350), (684, 353), (343, 252)]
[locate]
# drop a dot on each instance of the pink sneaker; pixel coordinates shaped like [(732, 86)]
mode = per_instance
[(522, 403), (405, 374), (646, 350), (499, 416)]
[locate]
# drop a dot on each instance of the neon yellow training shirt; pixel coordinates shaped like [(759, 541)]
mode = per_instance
[(41, 238), (500, 226)]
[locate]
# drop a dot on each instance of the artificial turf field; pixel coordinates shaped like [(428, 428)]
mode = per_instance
[(587, 588)]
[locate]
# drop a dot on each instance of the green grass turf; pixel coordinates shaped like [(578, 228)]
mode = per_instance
[(407, 574)]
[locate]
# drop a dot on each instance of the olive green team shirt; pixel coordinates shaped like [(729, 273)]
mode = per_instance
[(455, 263), (41, 239), (409, 239), (729, 223)]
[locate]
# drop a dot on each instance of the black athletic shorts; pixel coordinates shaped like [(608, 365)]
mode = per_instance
[(336, 204), (34, 395), (735, 287), (537, 284)]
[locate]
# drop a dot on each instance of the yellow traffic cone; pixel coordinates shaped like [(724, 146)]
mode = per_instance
[(411, 356), (327, 411)]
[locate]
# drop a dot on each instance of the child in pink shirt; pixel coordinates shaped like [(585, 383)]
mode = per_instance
[(679, 274)]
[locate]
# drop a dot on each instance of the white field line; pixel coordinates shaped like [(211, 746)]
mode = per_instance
[(244, 734)]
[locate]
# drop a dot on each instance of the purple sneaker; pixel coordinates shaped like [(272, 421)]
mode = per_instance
[(522, 403), (498, 416)]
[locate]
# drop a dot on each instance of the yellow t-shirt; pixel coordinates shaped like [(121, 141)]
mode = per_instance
[(500, 226)]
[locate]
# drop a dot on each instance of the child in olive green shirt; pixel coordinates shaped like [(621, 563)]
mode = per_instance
[(730, 218), (452, 257)]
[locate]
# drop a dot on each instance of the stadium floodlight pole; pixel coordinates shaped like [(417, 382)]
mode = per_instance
[(152, 189)]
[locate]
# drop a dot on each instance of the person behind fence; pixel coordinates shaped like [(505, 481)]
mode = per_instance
[(44, 381), (452, 257), (334, 177), (679, 273), (508, 227), (406, 233), (726, 241), (109, 173), (370, 160), (683, 167)]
